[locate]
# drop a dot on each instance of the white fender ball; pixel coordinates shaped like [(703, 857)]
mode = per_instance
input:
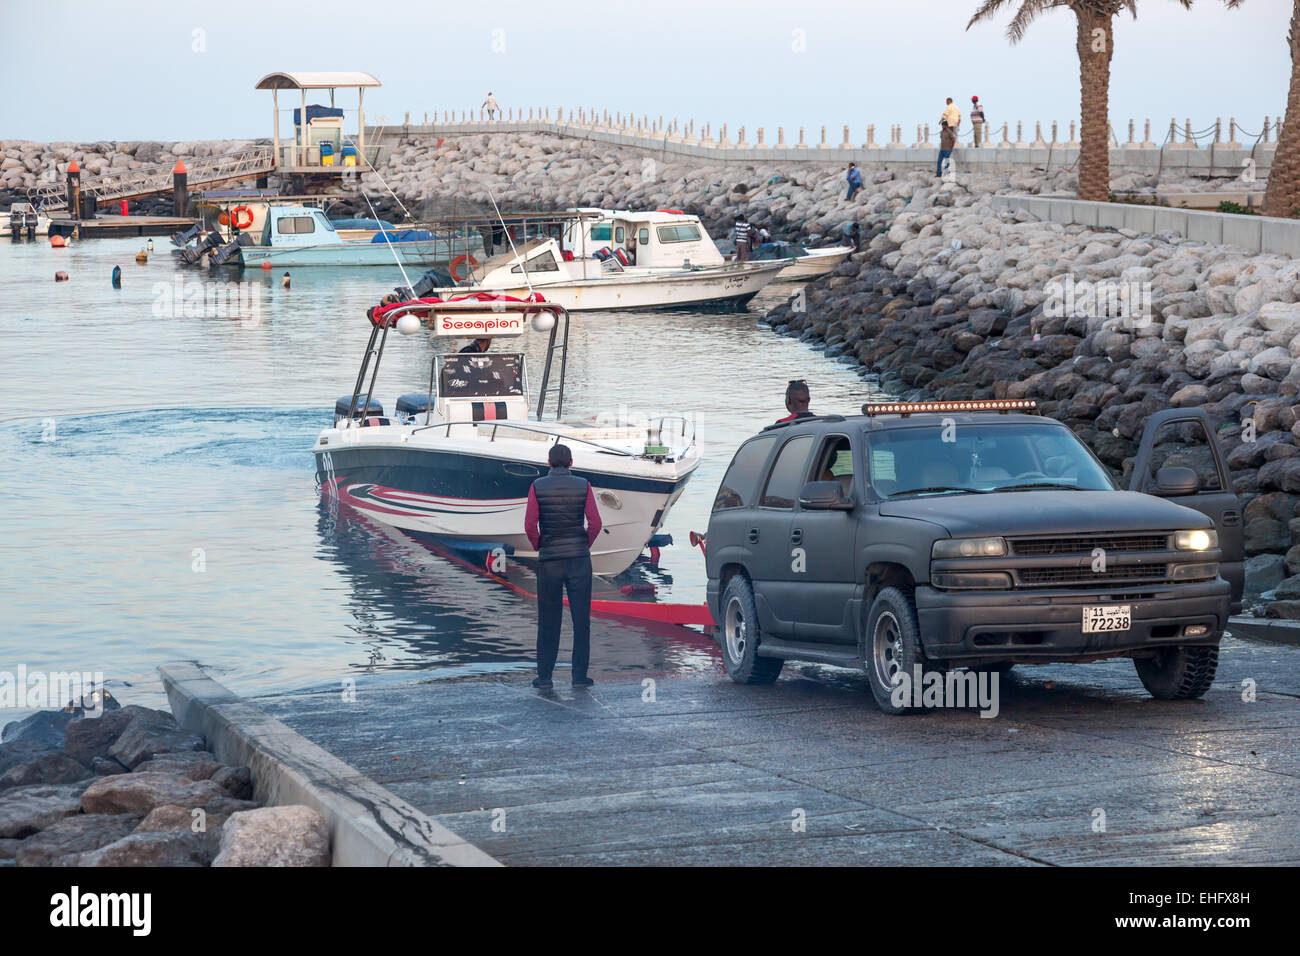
[(408, 324)]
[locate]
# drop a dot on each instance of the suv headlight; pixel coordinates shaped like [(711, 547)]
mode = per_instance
[(1199, 540), (969, 548)]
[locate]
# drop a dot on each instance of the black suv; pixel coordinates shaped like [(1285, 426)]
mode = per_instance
[(971, 534)]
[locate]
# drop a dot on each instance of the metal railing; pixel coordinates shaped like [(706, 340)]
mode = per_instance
[(148, 180)]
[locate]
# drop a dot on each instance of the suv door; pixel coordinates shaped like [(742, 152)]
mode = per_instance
[(829, 543), (777, 583), (1185, 436)]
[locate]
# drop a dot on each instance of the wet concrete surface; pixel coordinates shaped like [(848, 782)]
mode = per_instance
[(807, 771)]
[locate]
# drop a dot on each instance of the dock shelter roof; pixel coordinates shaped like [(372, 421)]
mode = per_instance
[(314, 81)]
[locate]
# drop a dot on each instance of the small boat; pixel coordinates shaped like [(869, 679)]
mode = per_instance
[(456, 461), (298, 235), (807, 264), (22, 220)]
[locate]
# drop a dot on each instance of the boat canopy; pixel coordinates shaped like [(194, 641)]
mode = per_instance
[(314, 81)]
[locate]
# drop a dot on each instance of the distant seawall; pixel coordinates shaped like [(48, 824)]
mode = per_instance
[(1180, 155)]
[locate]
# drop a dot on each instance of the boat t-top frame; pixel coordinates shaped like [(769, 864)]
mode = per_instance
[(391, 313)]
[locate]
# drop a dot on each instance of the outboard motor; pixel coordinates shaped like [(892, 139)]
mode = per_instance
[(365, 408), (433, 279), (411, 405)]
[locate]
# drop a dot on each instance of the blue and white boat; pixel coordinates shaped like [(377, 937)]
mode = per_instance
[(304, 236), (456, 461)]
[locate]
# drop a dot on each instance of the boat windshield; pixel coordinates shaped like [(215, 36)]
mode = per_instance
[(480, 375)]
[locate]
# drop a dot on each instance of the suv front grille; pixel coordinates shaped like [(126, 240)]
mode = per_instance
[(1085, 577), (1087, 543)]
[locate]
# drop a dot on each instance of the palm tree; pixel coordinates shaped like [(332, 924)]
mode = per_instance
[(1282, 195), (1093, 41)]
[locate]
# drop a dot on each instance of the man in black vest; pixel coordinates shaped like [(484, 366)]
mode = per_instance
[(561, 522)]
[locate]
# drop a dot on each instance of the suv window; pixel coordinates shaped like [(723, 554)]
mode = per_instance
[(1186, 444), (738, 483), (835, 463), (787, 475)]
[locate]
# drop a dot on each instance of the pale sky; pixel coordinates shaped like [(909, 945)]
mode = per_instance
[(130, 69)]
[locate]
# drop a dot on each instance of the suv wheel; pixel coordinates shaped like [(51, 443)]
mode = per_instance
[(891, 645), (741, 636), (1179, 673)]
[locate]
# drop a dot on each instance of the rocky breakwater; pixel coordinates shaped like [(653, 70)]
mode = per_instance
[(126, 786), (26, 165), (956, 301)]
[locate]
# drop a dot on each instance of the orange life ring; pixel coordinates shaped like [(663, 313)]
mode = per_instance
[(675, 212), (234, 217), (456, 262)]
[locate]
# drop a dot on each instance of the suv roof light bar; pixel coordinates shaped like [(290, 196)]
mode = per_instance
[(1002, 405)]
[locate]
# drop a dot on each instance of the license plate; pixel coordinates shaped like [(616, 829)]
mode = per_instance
[(1107, 617)]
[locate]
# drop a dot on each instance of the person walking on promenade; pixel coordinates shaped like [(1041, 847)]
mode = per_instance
[(743, 235), (558, 505), (797, 400), (951, 116), (977, 120), (854, 176), (947, 142), (490, 104)]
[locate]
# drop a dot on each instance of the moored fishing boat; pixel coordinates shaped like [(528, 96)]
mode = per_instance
[(456, 462), (292, 235), (620, 260)]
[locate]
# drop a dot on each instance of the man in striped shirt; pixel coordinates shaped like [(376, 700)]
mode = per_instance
[(744, 234)]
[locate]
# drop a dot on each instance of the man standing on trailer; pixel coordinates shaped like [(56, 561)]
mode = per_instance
[(562, 522)]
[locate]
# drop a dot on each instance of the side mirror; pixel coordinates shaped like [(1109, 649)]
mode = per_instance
[(824, 496), (1174, 480)]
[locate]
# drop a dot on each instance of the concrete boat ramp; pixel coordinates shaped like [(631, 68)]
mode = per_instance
[(1078, 767)]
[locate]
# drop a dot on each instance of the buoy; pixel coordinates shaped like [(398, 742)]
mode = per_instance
[(60, 277), (266, 265), (117, 277), (149, 245), (142, 257), (284, 281), (58, 242)]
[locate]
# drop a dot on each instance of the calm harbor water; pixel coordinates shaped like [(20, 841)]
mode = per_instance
[(162, 499)]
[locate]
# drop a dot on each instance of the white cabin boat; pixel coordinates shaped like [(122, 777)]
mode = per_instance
[(456, 462)]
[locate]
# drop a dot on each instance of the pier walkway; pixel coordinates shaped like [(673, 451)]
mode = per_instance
[(1079, 767)]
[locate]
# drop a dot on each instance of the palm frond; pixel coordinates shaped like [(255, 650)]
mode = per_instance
[(1030, 11), (986, 11)]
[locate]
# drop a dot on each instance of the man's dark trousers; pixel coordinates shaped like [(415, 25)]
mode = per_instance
[(554, 578)]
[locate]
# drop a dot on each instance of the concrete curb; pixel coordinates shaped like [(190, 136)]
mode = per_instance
[(368, 825), (1272, 631)]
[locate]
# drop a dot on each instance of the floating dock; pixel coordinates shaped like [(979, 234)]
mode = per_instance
[(105, 227)]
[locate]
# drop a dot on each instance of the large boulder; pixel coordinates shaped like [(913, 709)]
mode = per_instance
[(275, 836), (26, 810), (47, 768), (46, 727), (55, 845), (142, 792), (151, 848), (91, 737), (1264, 572), (147, 736)]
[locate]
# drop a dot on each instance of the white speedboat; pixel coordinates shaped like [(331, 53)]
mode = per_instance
[(622, 260), (456, 462)]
